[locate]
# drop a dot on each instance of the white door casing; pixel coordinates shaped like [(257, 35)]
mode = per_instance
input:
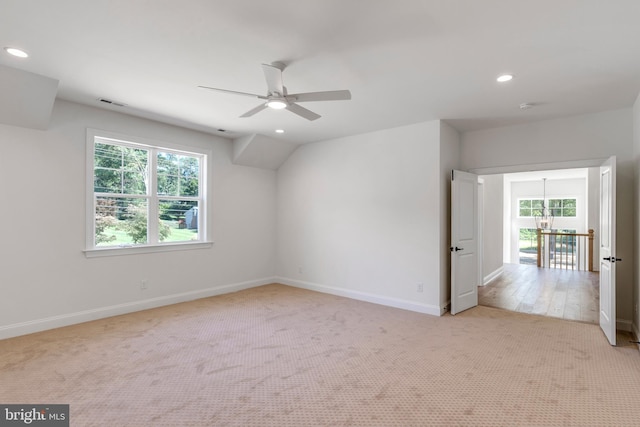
[(464, 241), (608, 249)]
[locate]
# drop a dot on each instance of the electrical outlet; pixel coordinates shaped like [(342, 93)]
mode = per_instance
[(419, 287), (144, 284)]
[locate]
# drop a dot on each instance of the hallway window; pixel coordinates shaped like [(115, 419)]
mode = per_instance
[(528, 208), (563, 207), (528, 246)]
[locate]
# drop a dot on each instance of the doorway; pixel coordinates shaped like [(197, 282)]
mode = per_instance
[(512, 280)]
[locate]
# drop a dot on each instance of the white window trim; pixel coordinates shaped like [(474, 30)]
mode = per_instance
[(91, 251)]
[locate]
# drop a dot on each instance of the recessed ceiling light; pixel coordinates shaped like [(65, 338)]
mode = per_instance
[(279, 130), (16, 52), (504, 78)]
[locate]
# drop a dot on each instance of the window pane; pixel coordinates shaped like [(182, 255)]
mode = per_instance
[(556, 211), (107, 180), (178, 220), (536, 212), (167, 184), (133, 183), (569, 212), (525, 204), (134, 159), (189, 187), (178, 175), (536, 204), (107, 156), (527, 245), (555, 203), (119, 169), (569, 203), (120, 221)]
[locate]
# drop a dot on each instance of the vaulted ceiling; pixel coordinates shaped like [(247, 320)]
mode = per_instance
[(403, 61)]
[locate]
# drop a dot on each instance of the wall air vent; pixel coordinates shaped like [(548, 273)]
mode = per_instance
[(110, 102)]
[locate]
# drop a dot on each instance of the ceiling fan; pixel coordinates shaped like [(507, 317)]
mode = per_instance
[(278, 98)]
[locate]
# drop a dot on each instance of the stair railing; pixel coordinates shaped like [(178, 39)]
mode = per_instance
[(568, 251)]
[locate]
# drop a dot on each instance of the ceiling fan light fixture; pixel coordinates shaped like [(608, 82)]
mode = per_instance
[(276, 104)]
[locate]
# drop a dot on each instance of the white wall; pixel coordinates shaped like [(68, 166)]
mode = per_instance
[(585, 137), (593, 211), (492, 226), (449, 160), (636, 162), (45, 279), (360, 216)]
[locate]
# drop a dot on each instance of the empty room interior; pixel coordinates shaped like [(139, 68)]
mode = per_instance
[(320, 212)]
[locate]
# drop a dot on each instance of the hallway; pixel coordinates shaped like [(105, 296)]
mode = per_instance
[(566, 294)]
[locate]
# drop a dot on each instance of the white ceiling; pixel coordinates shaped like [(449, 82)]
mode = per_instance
[(404, 61)]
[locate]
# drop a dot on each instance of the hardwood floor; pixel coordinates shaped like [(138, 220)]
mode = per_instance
[(571, 295)]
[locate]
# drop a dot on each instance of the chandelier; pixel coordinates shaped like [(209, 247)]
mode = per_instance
[(544, 220)]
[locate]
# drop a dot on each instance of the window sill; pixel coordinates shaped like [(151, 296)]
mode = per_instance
[(147, 249)]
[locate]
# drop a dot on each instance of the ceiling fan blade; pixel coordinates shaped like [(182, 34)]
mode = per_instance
[(303, 112), (331, 95), (273, 76), (254, 110), (233, 91)]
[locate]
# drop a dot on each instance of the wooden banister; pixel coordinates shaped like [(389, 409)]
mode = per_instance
[(543, 242)]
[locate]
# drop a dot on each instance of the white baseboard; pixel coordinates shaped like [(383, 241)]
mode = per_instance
[(364, 296), (624, 325), (489, 277), (44, 324)]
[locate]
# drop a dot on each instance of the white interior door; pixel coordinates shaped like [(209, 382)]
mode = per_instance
[(464, 241), (608, 249)]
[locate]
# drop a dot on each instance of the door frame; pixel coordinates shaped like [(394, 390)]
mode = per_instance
[(589, 163)]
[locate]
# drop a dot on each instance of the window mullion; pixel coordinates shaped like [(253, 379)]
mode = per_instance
[(152, 193)]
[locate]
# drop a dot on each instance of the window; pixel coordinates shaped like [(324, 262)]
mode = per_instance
[(558, 207), (562, 207), (528, 246), (143, 195), (528, 208)]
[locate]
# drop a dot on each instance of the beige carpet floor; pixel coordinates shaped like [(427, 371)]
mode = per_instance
[(281, 356)]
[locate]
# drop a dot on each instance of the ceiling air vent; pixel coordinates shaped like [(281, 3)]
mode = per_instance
[(110, 102)]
